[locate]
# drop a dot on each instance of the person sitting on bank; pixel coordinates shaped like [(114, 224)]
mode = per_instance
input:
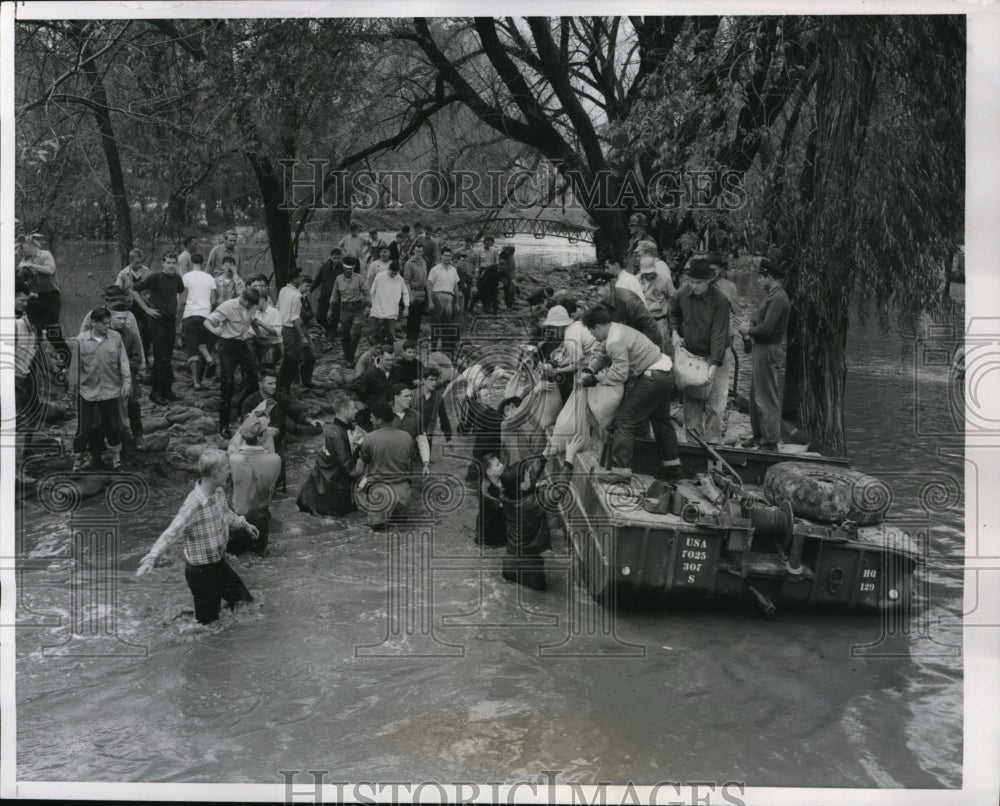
[(255, 470), (699, 319), (527, 530), (385, 455), (491, 527), (623, 354), (329, 490), (407, 368), (204, 521), (767, 331)]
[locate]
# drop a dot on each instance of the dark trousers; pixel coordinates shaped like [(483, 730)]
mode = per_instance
[(233, 353), (352, 322), (415, 318), (646, 399), (97, 420), (381, 330), (163, 330), (299, 359), (527, 570), (51, 308), (509, 291), (488, 294), (323, 308), (212, 583), (133, 410), (765, 395), (145, 334)]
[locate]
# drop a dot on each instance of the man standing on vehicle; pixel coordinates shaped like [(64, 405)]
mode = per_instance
[(767, 331), (624, 354), (699, 319)]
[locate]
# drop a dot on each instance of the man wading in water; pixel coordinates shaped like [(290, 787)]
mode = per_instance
[(204, 520)]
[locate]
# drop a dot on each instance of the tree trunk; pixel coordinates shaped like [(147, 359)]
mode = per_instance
[(277, 221), (109, 144), (816, 371)]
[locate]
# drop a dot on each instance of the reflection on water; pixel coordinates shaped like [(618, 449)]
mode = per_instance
[(492, 683)]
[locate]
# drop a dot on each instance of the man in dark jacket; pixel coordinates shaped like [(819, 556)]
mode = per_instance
[(626, 306), (329, 488), (491, 526), (699, 318), (527, 526), (331, 269)]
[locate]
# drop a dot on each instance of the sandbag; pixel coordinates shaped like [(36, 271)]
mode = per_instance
[(692, 374), (827, 493), (603, 402), (548, 403), (572, 419)]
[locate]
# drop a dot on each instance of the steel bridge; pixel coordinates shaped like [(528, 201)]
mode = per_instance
[(508, 227)]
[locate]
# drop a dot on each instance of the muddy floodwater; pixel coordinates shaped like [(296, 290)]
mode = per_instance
[(406, 657)]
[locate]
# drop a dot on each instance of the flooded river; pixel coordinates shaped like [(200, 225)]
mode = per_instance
[(407, 658)]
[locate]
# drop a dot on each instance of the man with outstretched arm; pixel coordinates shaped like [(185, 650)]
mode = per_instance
[(204, 520)]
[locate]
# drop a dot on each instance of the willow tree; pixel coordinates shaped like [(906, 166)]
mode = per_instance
[(877, 202)]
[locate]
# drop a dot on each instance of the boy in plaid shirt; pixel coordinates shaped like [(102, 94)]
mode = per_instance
[(204, 520)]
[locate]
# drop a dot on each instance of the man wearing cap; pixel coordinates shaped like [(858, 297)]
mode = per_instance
[(255, 469), (624, 302), (99, 375), (699, 318), (348, 303), (624, 355), (165, 287), (637, 224), (385, 455), (656, 292), (330, 486), (767, 330), (225, 249), (331, 269), (123, 323)]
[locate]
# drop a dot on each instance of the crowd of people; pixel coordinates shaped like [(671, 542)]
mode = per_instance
[(645, 336)]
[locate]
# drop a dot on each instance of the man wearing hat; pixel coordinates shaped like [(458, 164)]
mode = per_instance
[(123, 322), (226, 249), (767, 329), (255, 469), (656, 292), (699, 318)]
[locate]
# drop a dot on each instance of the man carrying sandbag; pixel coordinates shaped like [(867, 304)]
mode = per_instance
[(625, 354), (699, 324)]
